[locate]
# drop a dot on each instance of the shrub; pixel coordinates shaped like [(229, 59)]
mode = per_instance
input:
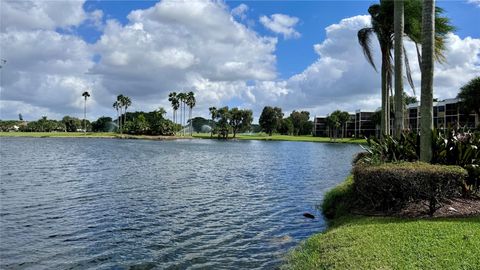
[(450, 147), (391, 186), (338, 201)]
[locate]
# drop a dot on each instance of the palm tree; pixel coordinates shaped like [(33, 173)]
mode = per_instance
[(127, 102), (85, 95), (213, 113), (116, 106), (383, 27), (426, 98), (182, 97), (120, 99), (398, 65), (191, 103), (172, 97)]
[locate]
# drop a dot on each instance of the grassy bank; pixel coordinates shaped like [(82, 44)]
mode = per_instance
[(392, 243), (362, 242), (261, 137), (112, 135), (264, 137)]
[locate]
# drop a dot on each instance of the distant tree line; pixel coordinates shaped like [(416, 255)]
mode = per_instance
[(67, 124), (149, 123), (225, 121), (298, 123)]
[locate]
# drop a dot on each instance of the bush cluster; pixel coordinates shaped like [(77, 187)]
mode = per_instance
[(450, 147), (391, 186)]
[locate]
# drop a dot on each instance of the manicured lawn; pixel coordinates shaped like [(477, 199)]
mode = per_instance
[(391, 243), (58, 134), (87, 135), (265, 137)]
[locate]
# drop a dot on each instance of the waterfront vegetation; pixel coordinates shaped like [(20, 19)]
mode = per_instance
[(358, 242), (258, 136), (279, 137)]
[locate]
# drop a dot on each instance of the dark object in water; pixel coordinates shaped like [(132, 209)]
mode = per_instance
[(308, 215)]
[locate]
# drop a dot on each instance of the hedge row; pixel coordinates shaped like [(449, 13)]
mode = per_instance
[(391, 186)]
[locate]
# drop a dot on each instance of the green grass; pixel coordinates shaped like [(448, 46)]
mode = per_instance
[(391, 243), (338, 201), (59, 134), (264, 137), (82, 135)]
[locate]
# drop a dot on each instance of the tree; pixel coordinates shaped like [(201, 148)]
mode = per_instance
[(300, 122), (213, 112), (85, 95), (116, 106), (182, 97), (382, 26), (103, 124), (240, 120), (120, 99), (333, 124), (426, 99), (343, 118), (286, 126), (191, 103), (172, 97), (126, 102), (470, 95), (398, 60), (270, 119), (223, 126), (71, 123)]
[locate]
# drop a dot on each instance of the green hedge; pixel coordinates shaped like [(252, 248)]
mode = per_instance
[(391, 186), (338, 201)]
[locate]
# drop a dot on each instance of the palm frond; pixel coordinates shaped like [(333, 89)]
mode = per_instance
[(364, 38)]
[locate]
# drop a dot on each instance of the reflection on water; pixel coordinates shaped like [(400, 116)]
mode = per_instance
[(105, 203)]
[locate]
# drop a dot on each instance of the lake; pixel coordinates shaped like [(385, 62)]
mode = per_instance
[(73, 203)]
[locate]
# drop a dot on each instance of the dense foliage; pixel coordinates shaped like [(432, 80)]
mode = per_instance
[(393, 185), (226, 121), (270, 119), (470, 95), (450, 147), (150, 123)]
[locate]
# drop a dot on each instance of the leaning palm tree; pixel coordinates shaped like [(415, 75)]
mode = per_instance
[(85, 95), (213, 113), (383, 28), (426, 99), (190, 103)]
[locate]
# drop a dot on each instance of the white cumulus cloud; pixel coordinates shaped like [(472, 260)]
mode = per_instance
[(281, 24)]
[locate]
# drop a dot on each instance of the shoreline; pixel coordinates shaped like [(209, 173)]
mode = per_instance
[(111, 135), (359, 241)]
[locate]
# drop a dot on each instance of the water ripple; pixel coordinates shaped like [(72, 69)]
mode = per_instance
[(191, 204)]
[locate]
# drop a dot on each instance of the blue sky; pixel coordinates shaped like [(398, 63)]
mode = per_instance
[(293, 55), (298, 55)]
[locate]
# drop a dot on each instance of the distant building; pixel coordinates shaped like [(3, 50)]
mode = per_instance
[(446, 114)]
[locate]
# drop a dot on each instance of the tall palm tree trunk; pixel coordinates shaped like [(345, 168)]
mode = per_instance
[(385, 115), (426, 99), (85, 116), (398, 61)]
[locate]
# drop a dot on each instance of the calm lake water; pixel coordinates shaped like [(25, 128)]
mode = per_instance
[(71, 203)]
